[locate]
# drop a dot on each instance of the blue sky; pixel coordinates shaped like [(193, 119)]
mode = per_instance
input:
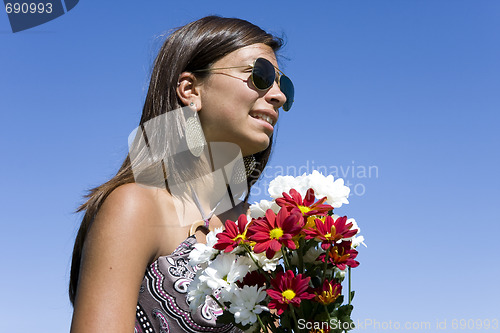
[(406, 89)]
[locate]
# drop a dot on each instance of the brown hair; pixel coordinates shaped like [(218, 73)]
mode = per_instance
[(194, 46)]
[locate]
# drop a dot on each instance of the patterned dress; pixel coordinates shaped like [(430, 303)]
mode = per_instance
[(162, 305)]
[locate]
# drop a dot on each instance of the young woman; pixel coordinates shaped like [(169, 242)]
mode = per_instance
[(130, 259)]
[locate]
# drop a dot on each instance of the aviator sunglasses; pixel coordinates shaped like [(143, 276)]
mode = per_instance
[(263, 77)]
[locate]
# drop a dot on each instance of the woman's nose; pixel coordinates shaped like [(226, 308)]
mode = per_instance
[(275, 96)]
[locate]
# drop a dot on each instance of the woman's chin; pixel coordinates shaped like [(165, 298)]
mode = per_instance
[(255, 147)]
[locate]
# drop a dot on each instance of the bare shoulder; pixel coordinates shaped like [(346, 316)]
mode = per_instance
[(129, 211), (125, 237), (148, 214), (131, 198)]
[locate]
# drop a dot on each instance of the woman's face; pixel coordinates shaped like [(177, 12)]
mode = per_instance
[(232, 109)]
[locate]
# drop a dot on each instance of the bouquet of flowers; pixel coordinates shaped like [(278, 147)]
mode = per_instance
[(281, 268)]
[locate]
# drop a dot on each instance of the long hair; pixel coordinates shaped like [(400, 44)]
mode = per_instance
[(194, 46)]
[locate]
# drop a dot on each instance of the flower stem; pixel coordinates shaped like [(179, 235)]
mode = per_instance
[(296, 323), (245, 246), (325, 265), (262, 326), (349, 272), (285, 259), (218, 303), (327, 313), (301, 256)]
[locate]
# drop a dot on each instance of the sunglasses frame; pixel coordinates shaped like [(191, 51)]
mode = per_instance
[(280, 75)]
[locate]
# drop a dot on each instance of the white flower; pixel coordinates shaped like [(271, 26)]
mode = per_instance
[(282, 184), (356, 240), (267, 265), (223, 273), (245, 304), (202, 254), (259, 209), (339, 274), (197, 292), (335, 191)]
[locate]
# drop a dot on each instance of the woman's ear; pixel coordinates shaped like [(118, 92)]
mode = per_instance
[(188, 90)]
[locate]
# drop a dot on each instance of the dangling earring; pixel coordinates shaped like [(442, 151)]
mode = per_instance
[(195, 139), (250, 164)]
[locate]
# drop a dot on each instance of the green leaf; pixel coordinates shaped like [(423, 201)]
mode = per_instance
[(323, 316), (344, 312), (352, 295), (343, 315), (338, 302)]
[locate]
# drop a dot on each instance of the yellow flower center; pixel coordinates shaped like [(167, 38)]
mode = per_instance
[(333, 231), (276, 233), (304, 209), (288, 294)]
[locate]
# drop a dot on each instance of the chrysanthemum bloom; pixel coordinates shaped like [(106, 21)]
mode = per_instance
[(330, 231), (335, 191), (202, 254), (223, 273), (258, 209), (341, 255), (260, 260), (273, 231), (308, 207), (233, 235), (329, 292), (288, 289), (245, 304)]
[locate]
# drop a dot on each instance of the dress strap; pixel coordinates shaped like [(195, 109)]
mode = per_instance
[(205, 222), (206, 218)]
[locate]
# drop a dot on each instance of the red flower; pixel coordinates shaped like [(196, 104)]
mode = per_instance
[(273, 231), (341, 255), (233, 235), (330, 231), (288, 289), (307, 207), (329, 292)]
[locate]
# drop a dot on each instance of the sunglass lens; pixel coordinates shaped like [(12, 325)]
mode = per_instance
[(263, 74), (286, 87)]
